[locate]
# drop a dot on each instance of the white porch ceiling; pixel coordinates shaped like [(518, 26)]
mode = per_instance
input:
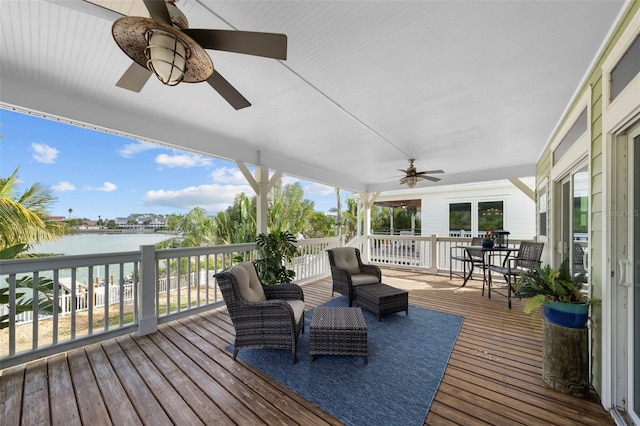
[(472, 87)]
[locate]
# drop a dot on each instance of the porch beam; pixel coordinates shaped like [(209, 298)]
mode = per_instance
[(524, 188), (261, 185)]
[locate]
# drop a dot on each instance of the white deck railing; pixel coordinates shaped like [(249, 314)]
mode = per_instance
[(149, 287)]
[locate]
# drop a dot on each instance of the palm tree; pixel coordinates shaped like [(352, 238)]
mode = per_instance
[(25, 217), (24, 221), (195, 229), (288, 210), (70, 211)]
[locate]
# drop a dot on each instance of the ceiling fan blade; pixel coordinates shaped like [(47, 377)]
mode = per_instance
[(158, 11), (431, 178), (89, 7), (134, 78), (227, 91), (268, 45), (430, 172)]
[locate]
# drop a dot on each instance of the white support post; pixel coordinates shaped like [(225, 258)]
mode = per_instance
[(367, 199), (434, 254), (262, 177), (261, 185), (148, 322)]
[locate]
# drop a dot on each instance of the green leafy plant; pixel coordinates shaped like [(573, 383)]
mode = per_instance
[(273, 251), (25, 296), (547, 284)]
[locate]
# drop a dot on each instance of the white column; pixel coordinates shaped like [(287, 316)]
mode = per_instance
[(148, 322)]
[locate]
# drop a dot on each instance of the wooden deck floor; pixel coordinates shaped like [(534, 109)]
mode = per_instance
[(183, 375)]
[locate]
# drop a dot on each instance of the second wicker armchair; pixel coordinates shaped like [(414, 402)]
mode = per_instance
[(348, 271)]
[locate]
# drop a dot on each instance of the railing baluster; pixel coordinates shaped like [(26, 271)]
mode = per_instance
[(90, 300), (106, 297), (35, 310), (73, 302), (56, 304), (121, 289), (12, 314)]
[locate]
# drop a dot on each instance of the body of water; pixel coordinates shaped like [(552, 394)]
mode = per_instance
[(93, 244), (98, 243)]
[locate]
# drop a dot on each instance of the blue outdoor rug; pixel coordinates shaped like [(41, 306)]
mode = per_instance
[(407, 359)]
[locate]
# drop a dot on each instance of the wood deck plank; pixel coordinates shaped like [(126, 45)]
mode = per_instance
[(91, 406), (142, 398), (11, 385), (64, 410), (169, 400), (290, 403), (197, 350), (121, 409), (198, 401), (233, 408), (36, 390), (185, 372)]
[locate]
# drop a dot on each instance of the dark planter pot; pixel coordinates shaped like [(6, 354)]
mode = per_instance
[(487, 244), (571, 315)]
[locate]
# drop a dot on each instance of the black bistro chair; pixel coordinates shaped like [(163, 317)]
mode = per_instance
[(527, 259), (468, 257)]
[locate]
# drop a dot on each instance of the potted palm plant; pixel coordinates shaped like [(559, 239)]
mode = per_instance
[(273, 251), (559, 293), (565, 306)]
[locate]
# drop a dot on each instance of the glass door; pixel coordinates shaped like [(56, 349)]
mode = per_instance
[(625, 287), (574, 221)]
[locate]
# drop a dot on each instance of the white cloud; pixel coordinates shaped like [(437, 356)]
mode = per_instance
[(213, 198), (310, 188), (63, 186), (183, 160), (228, 175), (44, 153), (318, 189), (289, 180), (131, 149), (107, 187)]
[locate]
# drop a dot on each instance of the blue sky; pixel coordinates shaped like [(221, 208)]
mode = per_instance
[(99, 174)]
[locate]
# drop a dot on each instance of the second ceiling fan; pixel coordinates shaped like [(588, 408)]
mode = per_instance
[(412, 176), (164, 45)]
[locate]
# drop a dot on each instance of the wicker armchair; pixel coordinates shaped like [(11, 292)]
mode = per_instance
[(263, 316), (348, 271), (528, 258)]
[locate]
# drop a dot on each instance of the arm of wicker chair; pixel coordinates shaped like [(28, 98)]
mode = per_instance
[(290, 291), (371, 269)]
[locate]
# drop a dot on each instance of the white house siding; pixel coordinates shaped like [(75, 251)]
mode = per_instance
[(519, 209)]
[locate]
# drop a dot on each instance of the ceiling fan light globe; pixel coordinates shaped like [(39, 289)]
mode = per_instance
[(166, 56), (411, 181)]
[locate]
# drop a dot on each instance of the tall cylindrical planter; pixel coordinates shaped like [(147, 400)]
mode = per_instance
[(565, 359), (572, 315)]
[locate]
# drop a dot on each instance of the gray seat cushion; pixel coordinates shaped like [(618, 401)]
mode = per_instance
[(298, 308), (363, 279)]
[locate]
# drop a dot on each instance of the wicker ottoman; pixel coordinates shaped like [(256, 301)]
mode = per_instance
[(382, 299), (338, 331)]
